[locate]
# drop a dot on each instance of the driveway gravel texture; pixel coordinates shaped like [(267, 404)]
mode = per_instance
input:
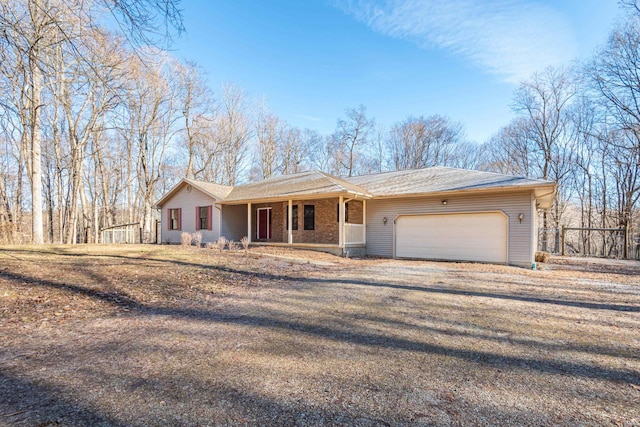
[(149, 335)]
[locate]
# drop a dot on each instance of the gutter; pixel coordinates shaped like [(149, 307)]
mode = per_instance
[(466, 192), (297, 196)]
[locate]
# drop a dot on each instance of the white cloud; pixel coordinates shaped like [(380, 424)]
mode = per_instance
[(509, 38), (302, 116)]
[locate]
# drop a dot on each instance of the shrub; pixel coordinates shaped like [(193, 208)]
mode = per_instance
[(210, 245), (231, 245), (185, 238), (245, 242), (222, 242), (196, 239), (542, 256)]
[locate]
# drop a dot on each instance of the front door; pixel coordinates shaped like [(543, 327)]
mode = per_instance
[(264, 223)]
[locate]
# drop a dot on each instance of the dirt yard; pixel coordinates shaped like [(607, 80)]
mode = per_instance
[(170, 336)]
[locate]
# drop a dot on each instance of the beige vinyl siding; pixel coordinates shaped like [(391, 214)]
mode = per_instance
[(380, 235), (188, 201), (234, 225)]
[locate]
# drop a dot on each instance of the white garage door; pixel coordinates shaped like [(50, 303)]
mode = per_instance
[(457, 237)]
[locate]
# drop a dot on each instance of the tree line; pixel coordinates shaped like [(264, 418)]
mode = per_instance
[(96, 123)]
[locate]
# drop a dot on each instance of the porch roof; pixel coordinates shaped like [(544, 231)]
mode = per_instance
[(314, 184)]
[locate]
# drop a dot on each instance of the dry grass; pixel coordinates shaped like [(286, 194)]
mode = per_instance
[(158, 335)]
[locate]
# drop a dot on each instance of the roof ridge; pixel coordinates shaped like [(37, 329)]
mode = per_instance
[(336, 180), (450, 168), (273, 178), (198, 181), (332, 179)]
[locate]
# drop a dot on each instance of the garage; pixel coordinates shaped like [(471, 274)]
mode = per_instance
[(476, 236)]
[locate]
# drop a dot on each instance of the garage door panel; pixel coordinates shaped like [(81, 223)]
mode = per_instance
[(464, 237)]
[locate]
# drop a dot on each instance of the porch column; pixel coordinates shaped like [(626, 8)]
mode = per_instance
[(341, 221), (364, 220), (249, 221), (290, 222)]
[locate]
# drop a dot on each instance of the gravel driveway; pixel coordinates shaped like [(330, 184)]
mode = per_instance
[(157, 336)]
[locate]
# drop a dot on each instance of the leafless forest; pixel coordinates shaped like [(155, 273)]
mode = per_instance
[(97, 121)]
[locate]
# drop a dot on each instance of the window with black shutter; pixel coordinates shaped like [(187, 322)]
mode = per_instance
[(309, 217), (294, 216)]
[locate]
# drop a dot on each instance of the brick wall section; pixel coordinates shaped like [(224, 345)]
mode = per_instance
[(326, 226), (355, 211), (326, 221)]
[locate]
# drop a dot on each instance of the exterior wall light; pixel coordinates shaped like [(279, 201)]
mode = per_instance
[(384, 220), (520, 217), (444, 202)]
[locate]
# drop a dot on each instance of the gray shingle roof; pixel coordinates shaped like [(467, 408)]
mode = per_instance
[(302, 184), (313, 184), (439, 180)]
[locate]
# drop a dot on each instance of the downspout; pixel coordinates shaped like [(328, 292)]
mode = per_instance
[(219, 207), (290, 222), (158, 223)]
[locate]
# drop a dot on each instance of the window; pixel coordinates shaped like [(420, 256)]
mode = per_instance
[(309, 217), (175, 219), (294, 222), (203, 218), (346, 212)]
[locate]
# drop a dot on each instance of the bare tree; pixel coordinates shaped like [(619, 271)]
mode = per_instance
[(8, 224), (92, 97), (233, 132), (466, 155), (295, 150), (420, 142), (510, 150), (544, 103), (350, 141), (632, 5), (198, 110), (322, 152), (269, 131), (147, 124), (31, 29), (614, 74), (144, 20)]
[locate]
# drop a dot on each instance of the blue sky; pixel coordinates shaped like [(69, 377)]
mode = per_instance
[(312, 59)]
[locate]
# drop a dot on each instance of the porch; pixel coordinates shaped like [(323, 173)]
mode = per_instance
[(336, 225)]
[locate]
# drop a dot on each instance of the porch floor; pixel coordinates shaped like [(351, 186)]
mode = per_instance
[(320, 247)]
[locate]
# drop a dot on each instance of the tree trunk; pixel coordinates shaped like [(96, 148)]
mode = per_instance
[(37, 230)]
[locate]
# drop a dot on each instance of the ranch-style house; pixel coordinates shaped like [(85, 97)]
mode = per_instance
[(436, 213)]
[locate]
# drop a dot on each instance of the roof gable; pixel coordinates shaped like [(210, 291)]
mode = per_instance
[(215, 191)]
